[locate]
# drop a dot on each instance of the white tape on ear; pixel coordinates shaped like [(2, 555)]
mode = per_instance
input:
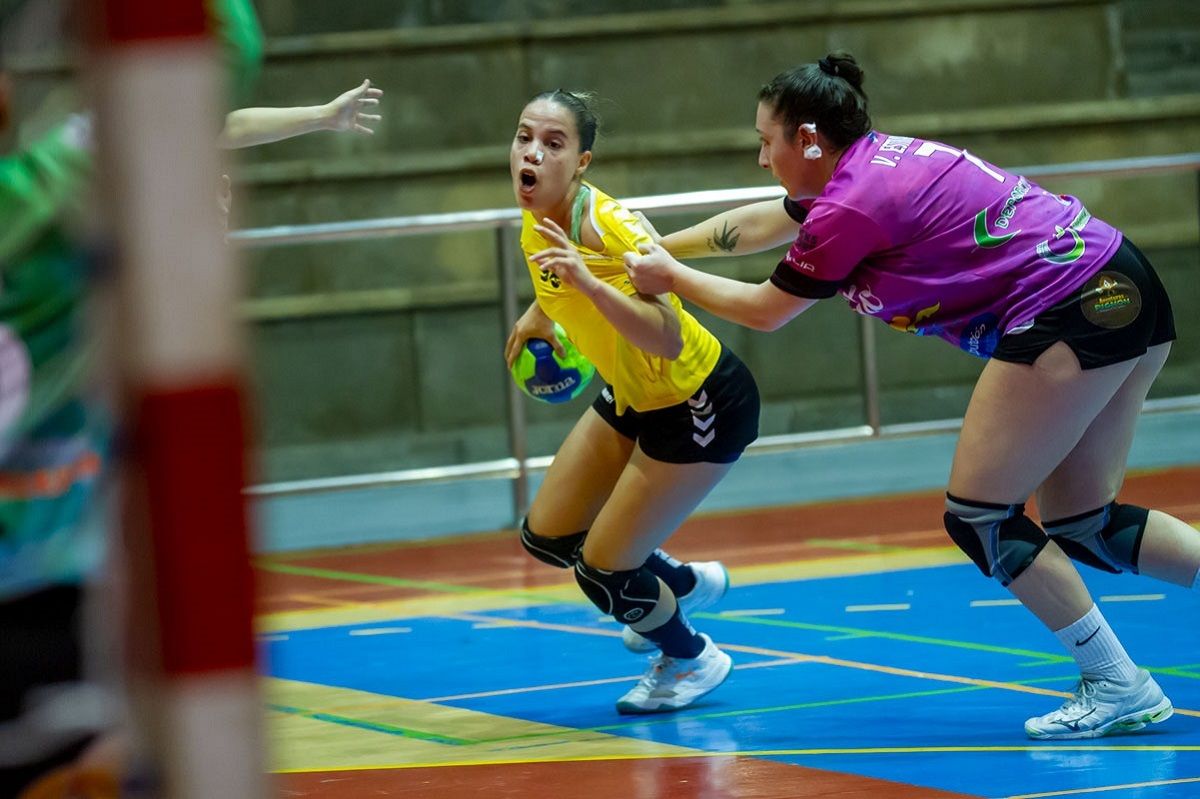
[(813, 151)]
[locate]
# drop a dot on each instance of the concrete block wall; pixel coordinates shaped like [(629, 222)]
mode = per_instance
[(386, 354), (417, 381)]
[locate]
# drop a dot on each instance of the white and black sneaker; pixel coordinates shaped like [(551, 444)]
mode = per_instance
[(1101, 707), (674, 683)]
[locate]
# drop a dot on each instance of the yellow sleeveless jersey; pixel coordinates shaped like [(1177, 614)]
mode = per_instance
[(640, 380)]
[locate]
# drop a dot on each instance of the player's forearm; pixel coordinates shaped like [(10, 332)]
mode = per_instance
[(725, 297), (247, 127), (740, 231), (650, 325)]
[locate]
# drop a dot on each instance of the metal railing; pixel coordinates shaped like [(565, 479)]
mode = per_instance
[(505, 222)]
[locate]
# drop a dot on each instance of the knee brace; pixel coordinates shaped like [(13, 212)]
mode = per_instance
[(1001, 539), (634, 597), (1107, 538), (562, 552)]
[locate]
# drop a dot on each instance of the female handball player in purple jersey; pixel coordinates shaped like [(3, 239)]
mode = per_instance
[(1072, 317)]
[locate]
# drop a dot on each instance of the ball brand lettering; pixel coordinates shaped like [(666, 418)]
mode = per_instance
[(565, 384)]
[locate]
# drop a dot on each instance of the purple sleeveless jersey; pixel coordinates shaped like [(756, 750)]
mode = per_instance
[(934, 241)]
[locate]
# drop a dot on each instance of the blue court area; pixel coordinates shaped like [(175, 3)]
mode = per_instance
[(922, 676)]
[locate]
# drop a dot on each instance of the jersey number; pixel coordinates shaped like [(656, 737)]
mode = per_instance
[(930, 147)]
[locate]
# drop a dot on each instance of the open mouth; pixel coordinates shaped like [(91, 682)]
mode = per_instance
[(528, 179)]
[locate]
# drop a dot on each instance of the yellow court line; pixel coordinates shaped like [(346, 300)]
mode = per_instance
[(1080, 791), (823, 659), (882, 750), (568, 592)]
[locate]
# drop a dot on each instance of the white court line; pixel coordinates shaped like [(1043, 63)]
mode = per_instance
[(873, 608), (994, 603), (584, 684), (1133, 598), (272, 638), (763, 612), (382, 631)]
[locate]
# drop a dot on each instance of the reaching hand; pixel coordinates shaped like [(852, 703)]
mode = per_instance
[(533, 324), (225, 201), (562, 259), (346, 112), (651, 269)]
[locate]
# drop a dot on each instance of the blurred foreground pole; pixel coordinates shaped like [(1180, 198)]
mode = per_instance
[(189, 631)]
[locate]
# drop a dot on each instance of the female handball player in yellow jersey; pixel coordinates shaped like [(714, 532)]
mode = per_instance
[(677, 410)]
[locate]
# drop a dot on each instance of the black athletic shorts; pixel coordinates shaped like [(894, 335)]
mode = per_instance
[(715, 425), (1115, 315)]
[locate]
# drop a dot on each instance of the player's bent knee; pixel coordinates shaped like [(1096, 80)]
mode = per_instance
[(1000, 539), (562, 552), (635, 597), (1108, 538)]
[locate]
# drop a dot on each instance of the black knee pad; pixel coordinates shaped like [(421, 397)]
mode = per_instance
[(1108, 538), (635, 597), (562, 552), (1000, 539)]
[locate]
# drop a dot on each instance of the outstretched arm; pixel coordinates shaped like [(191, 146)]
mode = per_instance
[(247, 127), (761, 306), (740, 231), (648, 322)]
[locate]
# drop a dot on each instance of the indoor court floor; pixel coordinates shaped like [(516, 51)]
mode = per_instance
[(871, 660)]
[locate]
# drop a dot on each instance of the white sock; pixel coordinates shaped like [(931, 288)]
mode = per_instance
[(1096, 649)]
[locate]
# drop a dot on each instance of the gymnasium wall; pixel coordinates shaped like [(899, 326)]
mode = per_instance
[(387, 354)]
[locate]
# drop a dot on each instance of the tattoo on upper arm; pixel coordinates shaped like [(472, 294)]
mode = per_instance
[(726, 239)]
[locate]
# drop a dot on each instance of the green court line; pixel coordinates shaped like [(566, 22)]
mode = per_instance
[(752, 711), (1177, 671), (912, 639), (400, 582), (1039, 658), (372, 726)]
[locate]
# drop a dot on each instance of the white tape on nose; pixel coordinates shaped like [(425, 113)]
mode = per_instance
[(539, 155)]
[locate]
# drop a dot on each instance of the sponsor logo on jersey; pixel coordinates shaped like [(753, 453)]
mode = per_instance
[(983, 236), (981, 335), (1078, 246)]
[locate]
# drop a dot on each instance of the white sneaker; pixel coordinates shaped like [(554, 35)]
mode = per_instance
[(1103, 706), (674, 683), (712, 581)]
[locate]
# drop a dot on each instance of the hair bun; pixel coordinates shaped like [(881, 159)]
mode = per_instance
[(840, 64)]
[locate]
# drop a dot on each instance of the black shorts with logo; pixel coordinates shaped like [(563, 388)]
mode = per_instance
[(714, 425), (1114, 316)]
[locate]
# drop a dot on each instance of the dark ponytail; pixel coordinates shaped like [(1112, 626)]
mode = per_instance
[(828, 93)]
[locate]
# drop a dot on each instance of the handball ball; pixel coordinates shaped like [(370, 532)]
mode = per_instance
[(543, 375)]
